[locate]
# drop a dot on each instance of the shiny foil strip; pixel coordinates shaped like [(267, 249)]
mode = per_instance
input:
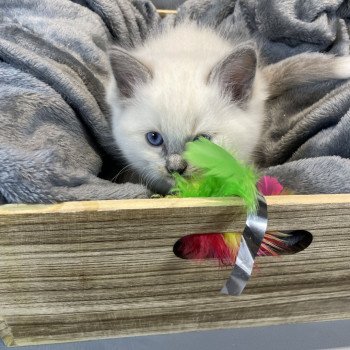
[(252, 238)]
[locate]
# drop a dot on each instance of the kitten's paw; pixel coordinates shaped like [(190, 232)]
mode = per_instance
[(133, 191), (156, 196)]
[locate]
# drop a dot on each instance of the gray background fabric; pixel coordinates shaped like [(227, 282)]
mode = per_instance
[(55, 132), (305, 142), (54, 71), (167, 4)]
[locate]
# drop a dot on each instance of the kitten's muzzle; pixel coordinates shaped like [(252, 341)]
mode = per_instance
[(175, 164)]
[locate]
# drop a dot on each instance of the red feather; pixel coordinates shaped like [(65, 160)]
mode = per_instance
[(213, 246), (269, 186), (204, 246)]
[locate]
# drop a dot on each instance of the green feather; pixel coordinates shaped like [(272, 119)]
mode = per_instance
[(218, 174)]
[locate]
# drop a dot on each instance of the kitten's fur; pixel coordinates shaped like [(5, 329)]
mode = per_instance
[(190, 80)]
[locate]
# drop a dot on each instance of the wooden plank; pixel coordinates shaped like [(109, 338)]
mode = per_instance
[(87, 270)]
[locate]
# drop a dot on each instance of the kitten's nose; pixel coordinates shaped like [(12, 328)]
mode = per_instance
[(175, 164)]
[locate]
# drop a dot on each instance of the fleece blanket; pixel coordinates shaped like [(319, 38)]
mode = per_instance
[(55, 139), (54, 71), (306, 142)]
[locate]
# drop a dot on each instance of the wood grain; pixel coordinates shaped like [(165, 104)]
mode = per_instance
[(87, 270)]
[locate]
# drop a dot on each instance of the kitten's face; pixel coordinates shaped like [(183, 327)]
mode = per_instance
[(164, 110)]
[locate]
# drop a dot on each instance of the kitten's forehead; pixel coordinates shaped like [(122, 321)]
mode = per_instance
[(180, 96)]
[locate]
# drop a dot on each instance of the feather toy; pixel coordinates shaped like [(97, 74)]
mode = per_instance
[(219, 174)]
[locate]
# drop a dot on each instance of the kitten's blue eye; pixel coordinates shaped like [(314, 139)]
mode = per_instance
[(206, 136), (154, 138)]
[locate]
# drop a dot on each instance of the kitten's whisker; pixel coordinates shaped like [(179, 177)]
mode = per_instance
[(152, 180), (143, 177), (114, 179), (149, 178)]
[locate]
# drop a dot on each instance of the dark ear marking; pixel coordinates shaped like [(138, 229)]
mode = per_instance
[(235, 74), (128, 71)]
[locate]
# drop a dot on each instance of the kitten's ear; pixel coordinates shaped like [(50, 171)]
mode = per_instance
[(128, 72), (236, 73)]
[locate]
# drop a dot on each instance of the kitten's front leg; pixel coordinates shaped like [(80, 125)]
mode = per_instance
[(40, 177), (98, 189)]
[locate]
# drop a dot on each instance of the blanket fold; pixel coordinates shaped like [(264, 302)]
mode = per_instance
[(55, 132), (54, 74)]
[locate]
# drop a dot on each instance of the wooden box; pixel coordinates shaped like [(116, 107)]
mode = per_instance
[(88, 270)]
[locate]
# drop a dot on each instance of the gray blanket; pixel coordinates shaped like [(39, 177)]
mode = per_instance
[(55, 139), (54, 71), (306, 138)]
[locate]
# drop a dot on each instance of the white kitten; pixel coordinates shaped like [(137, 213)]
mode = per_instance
[(190, 81)]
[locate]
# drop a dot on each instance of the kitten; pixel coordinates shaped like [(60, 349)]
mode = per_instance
[(189, 81)]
